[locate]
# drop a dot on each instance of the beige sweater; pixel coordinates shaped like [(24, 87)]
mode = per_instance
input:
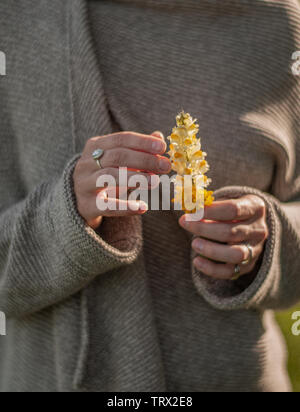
[(122, 309)]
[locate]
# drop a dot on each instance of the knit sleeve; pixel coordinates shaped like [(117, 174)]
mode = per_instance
[(277, 283), (48, 253)]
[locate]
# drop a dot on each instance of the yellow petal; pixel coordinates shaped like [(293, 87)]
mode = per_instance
[(188, 142), (175, 138), (198, 154), (178, 155)]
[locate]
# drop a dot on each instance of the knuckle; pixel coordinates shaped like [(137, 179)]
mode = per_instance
[(261, 207), (232, 233), (239, 233), (119, 139), (264, 232), (235, 209), (149, 162), (79, 168)]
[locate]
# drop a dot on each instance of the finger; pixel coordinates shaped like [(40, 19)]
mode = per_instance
[(159, 134), (119, 208), (218, 231), (129, 140), (231, 209), (214, 270), (102, 178), (217, 270), (234, 254), (136, 160), (102, 206)]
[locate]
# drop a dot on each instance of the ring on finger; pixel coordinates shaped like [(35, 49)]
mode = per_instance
[(237, 273), (250, 258), (97, 156)]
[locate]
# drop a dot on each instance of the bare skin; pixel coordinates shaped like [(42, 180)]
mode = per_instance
[(233, 222), (142, 154)]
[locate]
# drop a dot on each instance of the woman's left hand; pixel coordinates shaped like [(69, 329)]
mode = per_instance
[(235, 223)]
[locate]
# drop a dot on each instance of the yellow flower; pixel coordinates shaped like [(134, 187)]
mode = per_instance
[(197, 155), (189, 160)]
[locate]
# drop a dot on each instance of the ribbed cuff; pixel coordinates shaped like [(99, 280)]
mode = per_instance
[(85, 248), (228, 295)]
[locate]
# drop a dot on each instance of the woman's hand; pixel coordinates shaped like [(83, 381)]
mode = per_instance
[(135, 151), (233, 222)]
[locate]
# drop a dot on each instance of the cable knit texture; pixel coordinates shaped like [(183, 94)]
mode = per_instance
[(122, 309)]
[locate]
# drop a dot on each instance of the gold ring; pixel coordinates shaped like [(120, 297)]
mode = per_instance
[(97, 156), (250, 258), (237, 273)]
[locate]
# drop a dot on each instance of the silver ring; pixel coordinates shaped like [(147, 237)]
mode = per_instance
[(250, 258), (237, 273), (97, 156)]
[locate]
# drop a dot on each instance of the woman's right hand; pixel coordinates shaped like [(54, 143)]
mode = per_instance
[(135, 151)]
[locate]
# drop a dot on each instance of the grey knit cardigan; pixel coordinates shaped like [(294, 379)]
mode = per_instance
[(81, 315)]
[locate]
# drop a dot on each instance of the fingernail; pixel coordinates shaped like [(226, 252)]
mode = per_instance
[(164, 165), (198, 264), (160, 134), (183, 221), (198, 244), (159, 147)]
